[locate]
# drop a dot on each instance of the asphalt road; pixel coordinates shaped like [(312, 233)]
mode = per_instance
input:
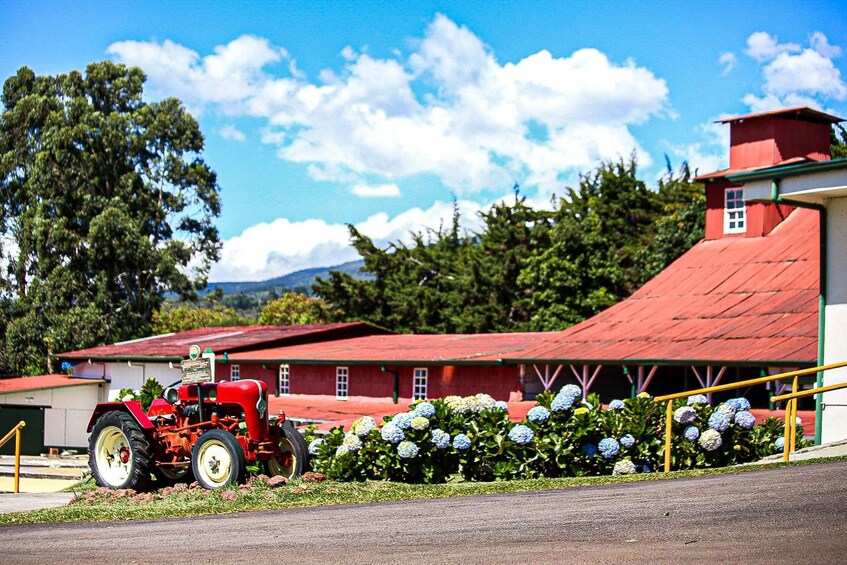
[(783, 515)]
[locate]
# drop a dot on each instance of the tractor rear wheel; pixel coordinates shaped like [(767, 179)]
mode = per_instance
[(295, 455), (119, 453), (218, 460)]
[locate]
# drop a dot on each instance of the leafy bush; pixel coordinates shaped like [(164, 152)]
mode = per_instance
[(563, 435), (149, 391)]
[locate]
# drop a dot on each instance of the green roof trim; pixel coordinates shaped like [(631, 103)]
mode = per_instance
[(789, 170)]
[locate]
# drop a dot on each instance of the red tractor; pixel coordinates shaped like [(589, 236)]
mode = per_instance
[(208, 431)]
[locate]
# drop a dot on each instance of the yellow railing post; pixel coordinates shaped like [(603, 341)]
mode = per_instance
[(668, 427), (794, 416), (18, 459), (16, 431)]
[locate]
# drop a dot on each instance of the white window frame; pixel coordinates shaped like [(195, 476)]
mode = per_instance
[(420, 377), (734, 211), (342, 383), (284, 382), (235, 372)]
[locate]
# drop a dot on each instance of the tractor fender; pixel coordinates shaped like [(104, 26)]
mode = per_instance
[(131, 407)]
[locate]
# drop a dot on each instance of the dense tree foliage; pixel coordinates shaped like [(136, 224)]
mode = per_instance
[(106, 206), (839, 142), (527, 269), (183, 317), (294, 309)]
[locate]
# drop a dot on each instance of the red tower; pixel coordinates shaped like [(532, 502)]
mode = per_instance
[(757, 141)]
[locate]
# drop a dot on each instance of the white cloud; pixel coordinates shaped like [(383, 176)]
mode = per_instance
[(728, 60), (796, 76), (820, 43), (233, 133), (763, 46), (368, 191), (447, 109), (268, 250)]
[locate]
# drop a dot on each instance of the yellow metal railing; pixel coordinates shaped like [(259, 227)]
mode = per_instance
[(790, 407), (16, 431), (791, 423)]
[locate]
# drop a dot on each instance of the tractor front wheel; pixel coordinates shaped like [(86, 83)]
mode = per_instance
[(218, 460), (119, 452), (294, 460)]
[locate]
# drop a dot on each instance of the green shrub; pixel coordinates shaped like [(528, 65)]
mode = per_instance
[(564, 435)]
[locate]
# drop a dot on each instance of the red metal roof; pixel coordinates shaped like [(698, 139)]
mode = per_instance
[(174, 346), (732, 300), (40, 382), (795, 112), (449, 349)]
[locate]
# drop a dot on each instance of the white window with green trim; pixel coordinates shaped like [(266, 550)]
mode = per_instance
[(419, 382), (235, 372), (734, 211), (342, 383), (284, 380)]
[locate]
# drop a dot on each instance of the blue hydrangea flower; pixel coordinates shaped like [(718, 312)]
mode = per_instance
[(391, 433), (609, 447), (627, 440), (710, 440), (521, 435), (684, 414), (779, 444), (646, 469), (501, 405), (739, 403), (363, 426), (616, 404), (561, 403), (571, 390), (719, 420), (420, 423), (66, 366), (745, 420), (624, 467), (425, 409), (351, 441), (403, 420), (440, 438), (315, 445), (407, 450), (538, 415), (691, 433), (697, 399), (589, 449), (728, 409), (461, 442)]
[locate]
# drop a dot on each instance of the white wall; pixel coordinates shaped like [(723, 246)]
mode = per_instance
[(126, 375), (835, 340), (66, 414)]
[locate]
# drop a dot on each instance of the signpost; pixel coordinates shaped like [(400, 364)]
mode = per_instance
[(196, 369)]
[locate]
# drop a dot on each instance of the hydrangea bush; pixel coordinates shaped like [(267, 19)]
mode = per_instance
[(563, 435)]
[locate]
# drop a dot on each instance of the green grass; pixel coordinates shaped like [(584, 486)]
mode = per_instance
[(301, 494)]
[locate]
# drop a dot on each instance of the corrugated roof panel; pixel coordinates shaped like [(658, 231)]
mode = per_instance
[(729, 300)]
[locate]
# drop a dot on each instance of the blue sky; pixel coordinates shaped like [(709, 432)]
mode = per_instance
[(379, 114)]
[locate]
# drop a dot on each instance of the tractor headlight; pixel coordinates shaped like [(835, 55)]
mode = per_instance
[(261, 407), (171, 395)]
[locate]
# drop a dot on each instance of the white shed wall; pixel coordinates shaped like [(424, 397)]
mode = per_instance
[(835, 340)]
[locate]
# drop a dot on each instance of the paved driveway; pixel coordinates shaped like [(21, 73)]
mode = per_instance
[(769, 516)]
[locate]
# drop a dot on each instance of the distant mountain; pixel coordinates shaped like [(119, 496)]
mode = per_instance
[(300, 280)]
